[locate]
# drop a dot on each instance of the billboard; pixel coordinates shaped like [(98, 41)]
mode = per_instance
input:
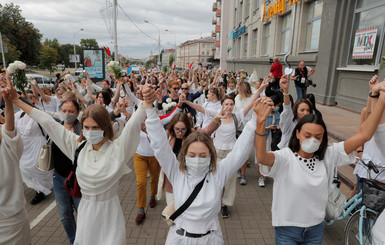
[(93, 63), (364, 43), (72, 58)]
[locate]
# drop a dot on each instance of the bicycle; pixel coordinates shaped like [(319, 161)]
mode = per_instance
[(358, 229)]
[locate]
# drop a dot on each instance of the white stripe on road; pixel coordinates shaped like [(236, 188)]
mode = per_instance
[(42, 215)]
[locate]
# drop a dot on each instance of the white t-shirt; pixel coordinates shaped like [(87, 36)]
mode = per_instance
[(53, 104), (299, 194), (371, 153)]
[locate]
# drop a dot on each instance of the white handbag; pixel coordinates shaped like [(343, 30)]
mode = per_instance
[(44, 162), (336, 200)]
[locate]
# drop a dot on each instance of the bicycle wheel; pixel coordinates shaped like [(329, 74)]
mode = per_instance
[(352, 229)]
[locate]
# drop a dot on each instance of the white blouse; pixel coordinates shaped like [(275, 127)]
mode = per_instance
[(202, 215), (97, 171), (287, 125), (11, 185), (299, 194)]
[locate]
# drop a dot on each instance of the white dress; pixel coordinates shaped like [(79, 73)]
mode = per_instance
[(100, 218), (33, 141)]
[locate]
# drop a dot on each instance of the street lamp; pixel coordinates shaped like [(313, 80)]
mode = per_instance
[(158, 38), (75, 48)]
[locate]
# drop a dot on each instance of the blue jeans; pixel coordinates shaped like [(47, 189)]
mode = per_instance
[(292, 235), (65, 205), (301, 92)]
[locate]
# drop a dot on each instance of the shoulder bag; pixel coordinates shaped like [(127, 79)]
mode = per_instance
[(169, 214), (44, 162), (71, 184), (336, 200)]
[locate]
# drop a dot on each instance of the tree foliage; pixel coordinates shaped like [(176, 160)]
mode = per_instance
[(12, 54), (89, 43), (20, 33), (171, 59), (48, 57)]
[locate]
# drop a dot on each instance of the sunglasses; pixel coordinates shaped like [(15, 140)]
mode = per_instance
[(184, 88), (176, 88), (180, 130)]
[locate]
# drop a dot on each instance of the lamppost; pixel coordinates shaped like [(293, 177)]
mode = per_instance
[(76, 67), (158, 38)]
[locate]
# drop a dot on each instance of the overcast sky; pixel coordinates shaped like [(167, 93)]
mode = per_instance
[(61, 19)]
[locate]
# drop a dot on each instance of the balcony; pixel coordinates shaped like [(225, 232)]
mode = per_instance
[(217, 43), (214, 21), (214, 7), (219, 12), (213, 34), (218, 28)]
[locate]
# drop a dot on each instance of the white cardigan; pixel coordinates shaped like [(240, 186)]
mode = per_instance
[(12, 198), (202, 215), (287, 125), (111, 160)]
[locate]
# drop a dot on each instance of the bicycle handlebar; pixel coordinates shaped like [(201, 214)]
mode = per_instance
[(370, 165)]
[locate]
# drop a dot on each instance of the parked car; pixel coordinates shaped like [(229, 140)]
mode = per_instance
[(78, 71), (60, 66), (41, 80)]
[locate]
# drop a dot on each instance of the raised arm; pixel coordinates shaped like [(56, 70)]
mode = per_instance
[(263, 107), (284, 85), (256, 96), (36, 88)]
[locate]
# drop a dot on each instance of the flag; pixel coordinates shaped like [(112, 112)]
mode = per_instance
[(107, 49), (174, 67), (191, 64)]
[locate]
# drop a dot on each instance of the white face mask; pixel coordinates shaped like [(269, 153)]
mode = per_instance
[(310, 145), (197, 165), (93, 136), (69, 118)]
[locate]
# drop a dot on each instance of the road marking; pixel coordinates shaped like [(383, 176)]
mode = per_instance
[(42, 215)]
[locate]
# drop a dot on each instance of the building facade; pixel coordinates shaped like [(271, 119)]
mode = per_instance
[(221, 32), (195, 52), (166, 54), (343, 40)]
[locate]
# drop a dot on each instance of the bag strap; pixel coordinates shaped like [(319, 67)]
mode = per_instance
[(189, 200), (77, 155)]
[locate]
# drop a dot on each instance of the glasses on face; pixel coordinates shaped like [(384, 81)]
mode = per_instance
[(176, 89), (184, 88), (180, 130)]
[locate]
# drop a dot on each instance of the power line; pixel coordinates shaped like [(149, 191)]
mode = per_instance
[(136, 24)]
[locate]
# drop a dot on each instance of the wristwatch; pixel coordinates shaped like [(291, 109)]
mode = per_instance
[(374, 96)]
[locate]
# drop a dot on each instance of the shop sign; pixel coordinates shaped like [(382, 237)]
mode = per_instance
[(277, 8), (238, 32), (364, 43)]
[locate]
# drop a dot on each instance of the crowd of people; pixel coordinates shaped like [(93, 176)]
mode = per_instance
[(193, 133)]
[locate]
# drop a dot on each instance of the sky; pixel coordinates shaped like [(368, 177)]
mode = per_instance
[(63, 19)]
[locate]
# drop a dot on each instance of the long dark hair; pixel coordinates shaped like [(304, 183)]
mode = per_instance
[(179, 117), (311, 98), (294, 143)]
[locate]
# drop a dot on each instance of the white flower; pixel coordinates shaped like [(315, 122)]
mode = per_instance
[(20, 65), (12, 68), (172, 104), (164, 105), (68, 77), (168, 100)]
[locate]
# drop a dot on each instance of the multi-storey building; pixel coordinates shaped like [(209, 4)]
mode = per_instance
[(195, 52), (166, 57), (221, 21), (342, 39)]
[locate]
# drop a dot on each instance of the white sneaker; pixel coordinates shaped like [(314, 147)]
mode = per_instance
[(261, 182)]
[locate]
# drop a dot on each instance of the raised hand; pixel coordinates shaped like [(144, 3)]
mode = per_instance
[(33, 82), (284, 84), (373, 82), (182, 97), (149, 95), (263, 107)]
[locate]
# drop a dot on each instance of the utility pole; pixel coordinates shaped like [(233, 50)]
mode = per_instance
[(115, 30), (2, 50)]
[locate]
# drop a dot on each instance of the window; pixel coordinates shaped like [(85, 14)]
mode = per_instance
[(255, 44), (246, 43), (235, 18), (369, 18), (240, 13), (239, 47), (285, 33), (203, 53), (313, 25), (208, 53), (266, 41), (256, 4), (247, 8)]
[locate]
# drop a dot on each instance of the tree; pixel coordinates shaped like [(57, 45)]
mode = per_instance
[(48, 56), (20, 33), (12, 54), (171, 60), (89, 44)]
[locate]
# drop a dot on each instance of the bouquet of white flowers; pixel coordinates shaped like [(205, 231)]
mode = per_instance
[(115, 68), (17, 72), (169, 106)]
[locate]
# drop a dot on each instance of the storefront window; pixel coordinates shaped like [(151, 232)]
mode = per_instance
[(266, 41), (313, 25), (367, 33), (285, 33)]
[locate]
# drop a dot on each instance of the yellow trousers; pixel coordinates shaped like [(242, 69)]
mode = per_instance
[(142, 164)]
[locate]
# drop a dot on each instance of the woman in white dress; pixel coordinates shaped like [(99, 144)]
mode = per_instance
[(101, 164), (33, 139), (199, 223), (14, 225), (301, 172)]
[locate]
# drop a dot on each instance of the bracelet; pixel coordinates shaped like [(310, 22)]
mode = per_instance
[(285, 94), (262, 135), (374, 96)]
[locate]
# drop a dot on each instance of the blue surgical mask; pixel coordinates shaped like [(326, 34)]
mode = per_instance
[(276, 108), (93, 136)]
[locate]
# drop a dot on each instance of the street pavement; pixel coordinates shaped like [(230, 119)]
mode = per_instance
[(250, 220)]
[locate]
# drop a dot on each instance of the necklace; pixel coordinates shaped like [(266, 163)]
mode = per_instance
[(310, 163)]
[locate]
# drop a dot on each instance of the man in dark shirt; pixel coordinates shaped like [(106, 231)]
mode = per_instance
[(300, 75), (276, 71)]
